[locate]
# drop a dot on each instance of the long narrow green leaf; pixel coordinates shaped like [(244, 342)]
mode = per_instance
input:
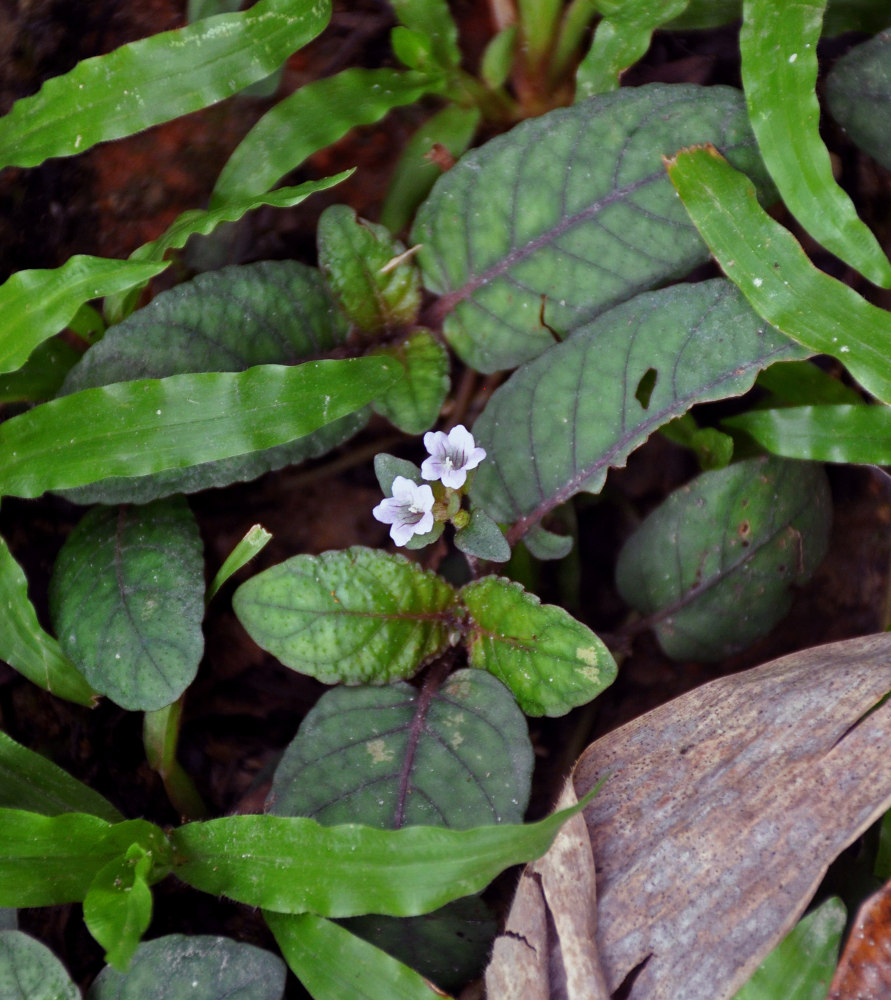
[(332, 963), (26, 647), (156, 79), (137, 428), (296, 865), (311, 119), (768, 265), (35, 305), (822, 433), (778, 42)]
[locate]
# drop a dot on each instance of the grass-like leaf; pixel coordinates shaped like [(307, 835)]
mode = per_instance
[(28, 969), (130, 89), (778, 43)]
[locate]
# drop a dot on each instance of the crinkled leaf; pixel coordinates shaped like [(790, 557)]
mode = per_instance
[(550, 661), (858, 92), (778, 42), (132, 88), (357, 616), (393, 756), (28, 780), (716, 563), (483, 538), (356, 257), (30, 971), (273, 312), (413, 403), (559, 423), (138, 428), (118, 905), (127, 600), (769, 266), (542, 229), (196, 967)]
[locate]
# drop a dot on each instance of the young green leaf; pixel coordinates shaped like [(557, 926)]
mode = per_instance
[(127, 600), (778, 43), (29, 970), (433, 19), (772, 271), (200, 967), (26, 647), (393, 756), (716, 563), (559, 423), (357, 616), (130, 89), (413, 403), (483, 538), (542, 229), (254, 542), (550, 661), (150, 425), (118, 905)]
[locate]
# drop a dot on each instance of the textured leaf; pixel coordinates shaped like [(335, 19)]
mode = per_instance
[(156, 79), (715, 563), (864, 969), (550, 661), (310, 119), (559, 423), (142, 427), (483, 538), (858, 92), (30, 971), (546, 227), (118, 905), (28, 780), (800, 967), (198, 967), (413, 403), (334, 964), (772, 271), (127, 599), (778, 43), (26, 647), (357, 616), (859, 434), (356, 257), (393, 756), (267, 313)]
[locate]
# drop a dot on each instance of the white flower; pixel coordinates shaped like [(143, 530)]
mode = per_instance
[(452, 456), (409, 511)]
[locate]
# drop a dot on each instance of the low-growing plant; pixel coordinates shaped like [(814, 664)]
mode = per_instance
[(549, 262)]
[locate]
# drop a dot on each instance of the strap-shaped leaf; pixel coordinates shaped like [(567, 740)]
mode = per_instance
[(28, 970), (156, 79), (778, 43), (197, 967), (858, 91), (413, 403), (550, 661), (769, 266), (559, 423), (357, 616), (127, 599), (716, 563), (542, 229), (394, 756), (142, 427)]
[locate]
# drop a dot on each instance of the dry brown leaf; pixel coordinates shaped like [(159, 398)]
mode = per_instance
[(720, 814), (864, 972)]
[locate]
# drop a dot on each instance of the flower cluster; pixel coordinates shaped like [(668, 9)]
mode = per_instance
[(410, 510)]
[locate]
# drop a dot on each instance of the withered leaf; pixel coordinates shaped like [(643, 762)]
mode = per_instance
[(864, 971)]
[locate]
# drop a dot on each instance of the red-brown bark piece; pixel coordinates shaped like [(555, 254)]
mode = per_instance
[(864, 972)]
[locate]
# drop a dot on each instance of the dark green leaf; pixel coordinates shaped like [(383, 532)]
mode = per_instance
[(545, 544), (274, 312), (802, 383), (716, 563), (156, 79), (8, 918), (483, 538), (414, 402), (542, 229), (357, 616), (127, 600), (550, 661), (388, 467), (858, 92), (559, 423), (42, 375), (392, 756), (199, 967), (30, 971), (118, 905), (713, 449)]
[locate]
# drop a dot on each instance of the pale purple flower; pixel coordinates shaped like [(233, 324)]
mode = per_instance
[(452, 456), (409, 511)]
